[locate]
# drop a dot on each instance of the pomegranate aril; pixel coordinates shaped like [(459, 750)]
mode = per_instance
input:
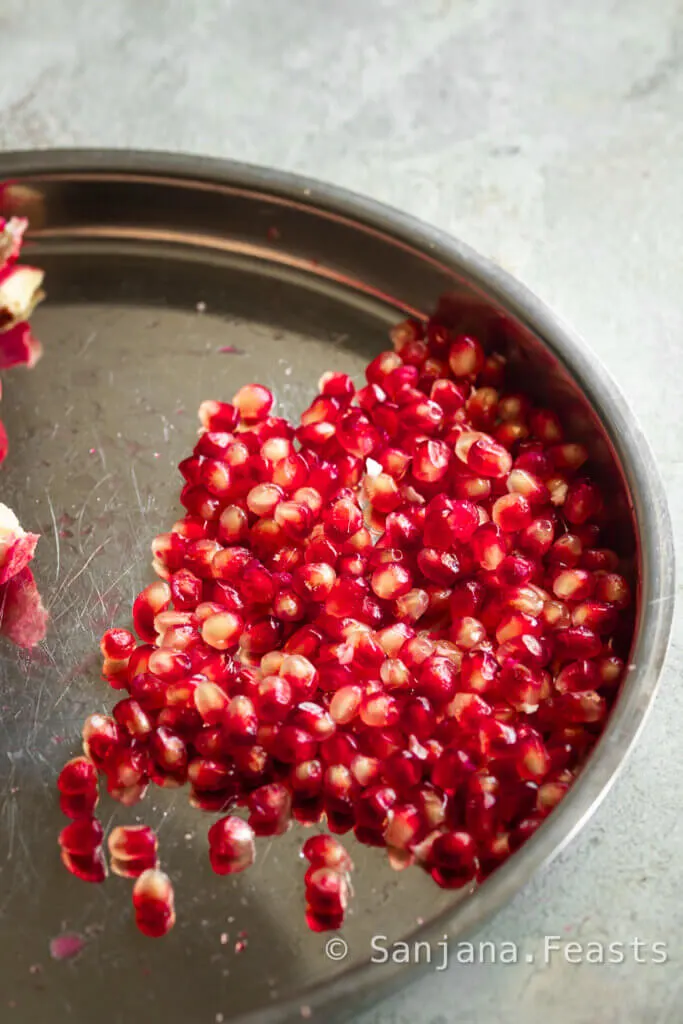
[(132, 849), (613, 589), (168, 750), (488, 546), (102, 736), (577, 642), (314, 581), (87, 867), (208, 775), (82, 837), (117, 644), (511, 512), (154, 903), (270, 810), (467, 632), (379, 710), (261, 635), (214, 415), (313, 719), (153, 599), (274, 699), (452, 859), (294, 744), (306, 778), (253, 402), (240, 721), (327, 891), (532, 761)]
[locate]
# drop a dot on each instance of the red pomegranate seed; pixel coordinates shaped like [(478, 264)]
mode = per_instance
[(511, 512), (133, 849), (577, 642), (153, 900), (325, 852), (153, 599), (465, 357), (488, 546), (253, 402), (379, 710), (452, 859), (102, 737), (82, 837), (88, 867), (306, 778), (467, 632), (327, 890), (168, 750), (215, 415), (270, 810), (117, 644), (578, 676), (77, 784), (314, 581)]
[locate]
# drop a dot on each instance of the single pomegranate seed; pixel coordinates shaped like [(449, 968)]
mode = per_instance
[(324, 851), (437, 680), (577, 642), (488, 546), (306, 778), (391, 581), (102, 737), (379, 710), (240, 721), (465, 357), (452, 859), (133, 849), (412, 605), (153, 599), (314, 581), (301, 676), (612, 588), (270, 810), (512, 512), (327, 890), (88, 867), (168, 750), (294, 745), (153, 901), (82, 837), (467, 632), (210, 776), (578, 676), (382, 492), (77, 784), (253, 402), (217, 415), (117, 644), (478, 672), (532, 760)]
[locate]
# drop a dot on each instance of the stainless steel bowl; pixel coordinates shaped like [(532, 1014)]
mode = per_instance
[(297, 277)]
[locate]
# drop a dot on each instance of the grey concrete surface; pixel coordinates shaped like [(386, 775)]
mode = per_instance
[(547, 134)]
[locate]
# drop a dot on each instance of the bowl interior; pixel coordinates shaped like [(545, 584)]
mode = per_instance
[(162, 291)]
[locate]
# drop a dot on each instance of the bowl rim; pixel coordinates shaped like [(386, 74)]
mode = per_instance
[(650, 511)]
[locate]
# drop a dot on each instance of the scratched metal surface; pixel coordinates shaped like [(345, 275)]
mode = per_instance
[(97, 429)]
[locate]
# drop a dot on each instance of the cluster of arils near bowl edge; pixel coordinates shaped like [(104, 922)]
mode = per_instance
[(395, 618), (23, 618)]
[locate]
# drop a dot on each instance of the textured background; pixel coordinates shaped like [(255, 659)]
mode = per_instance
[(549, 136)]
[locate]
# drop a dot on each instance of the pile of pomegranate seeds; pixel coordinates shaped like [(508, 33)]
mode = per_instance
[(23, 618), (397, 618)]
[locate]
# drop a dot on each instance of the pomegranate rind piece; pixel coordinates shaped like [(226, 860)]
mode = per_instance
[(23, 617), (18, 347)]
